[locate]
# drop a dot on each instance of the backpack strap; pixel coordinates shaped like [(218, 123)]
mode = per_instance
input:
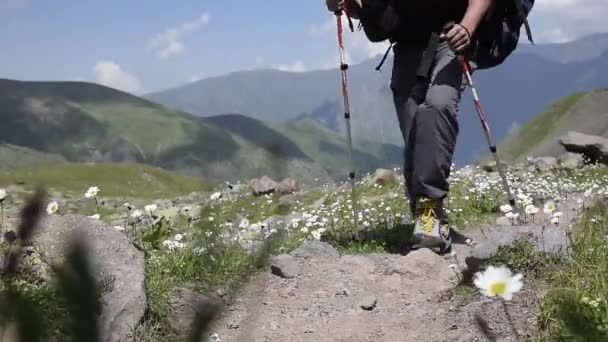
[(524, 18)]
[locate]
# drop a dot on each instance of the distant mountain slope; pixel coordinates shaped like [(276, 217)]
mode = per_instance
[(17, 157), (87, 122), (582, 112), (585, 48), (526, 84), (308, 140)]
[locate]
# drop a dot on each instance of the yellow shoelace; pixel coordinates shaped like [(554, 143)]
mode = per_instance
[(428, 217)]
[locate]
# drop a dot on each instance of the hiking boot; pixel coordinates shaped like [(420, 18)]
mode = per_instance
[(431, 229)]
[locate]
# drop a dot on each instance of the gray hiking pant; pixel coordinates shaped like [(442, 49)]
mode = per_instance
[(427, 110)]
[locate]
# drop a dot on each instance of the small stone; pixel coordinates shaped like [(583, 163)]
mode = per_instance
[(368, 302), (314, 248), (503, 221), (284, 266), (571, 161)]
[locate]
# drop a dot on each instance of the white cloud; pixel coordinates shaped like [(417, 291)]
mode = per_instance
[(169, 43), (297, 66), (561, 20), (110, 74)]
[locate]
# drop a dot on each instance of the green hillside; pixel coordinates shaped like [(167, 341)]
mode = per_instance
[(331, 149), (582, 112)]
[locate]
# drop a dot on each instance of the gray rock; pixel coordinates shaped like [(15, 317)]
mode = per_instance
[(571, 161), (544, 164), (288, 186), (186, 305), (503, 221), (263, 186), (548, 239), (492, 166), (315, 249), (594, 148), (284, 266), (368, 302), (113, 258), (384, 177)]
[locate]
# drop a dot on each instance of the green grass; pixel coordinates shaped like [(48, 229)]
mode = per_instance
[(538, 128), (113, 180), (576, 306)]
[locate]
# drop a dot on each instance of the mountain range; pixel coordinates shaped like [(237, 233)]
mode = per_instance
[(528, 82), (53, 122)]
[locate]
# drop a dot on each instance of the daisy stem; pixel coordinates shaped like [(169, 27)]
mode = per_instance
[(1, 214), (510, 320), (97, 204)]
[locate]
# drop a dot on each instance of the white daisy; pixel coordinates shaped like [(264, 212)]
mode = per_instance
[(92, 192), (498, 281), (506, 208), (151, 208), (52, 208), (2, 194)]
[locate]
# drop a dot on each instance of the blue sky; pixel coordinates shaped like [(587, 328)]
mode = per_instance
[(149, 45)]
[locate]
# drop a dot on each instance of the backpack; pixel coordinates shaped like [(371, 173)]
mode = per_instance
[(498, 34), (496, 38)]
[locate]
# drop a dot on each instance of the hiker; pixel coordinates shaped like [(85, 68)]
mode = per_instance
[(427, 84)]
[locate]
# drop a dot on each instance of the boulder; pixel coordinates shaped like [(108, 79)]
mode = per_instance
[(284, 266), (384, 177), (544, 164), (262, 186), (571, 161), (315, 249), (550, 239), (594, 148), (186, 304), (288, 186), (492, 166), (113, 257)]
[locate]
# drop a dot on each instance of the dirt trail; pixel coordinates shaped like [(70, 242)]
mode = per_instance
[(353, 298)]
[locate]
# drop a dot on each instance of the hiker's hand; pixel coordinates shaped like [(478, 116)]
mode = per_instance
[(334, 5), (337, 5), (457, 37)]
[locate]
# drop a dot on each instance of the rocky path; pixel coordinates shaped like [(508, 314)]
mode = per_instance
[(317, 295)]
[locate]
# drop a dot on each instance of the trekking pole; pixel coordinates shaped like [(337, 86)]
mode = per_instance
[(343, 68), (486, 128)]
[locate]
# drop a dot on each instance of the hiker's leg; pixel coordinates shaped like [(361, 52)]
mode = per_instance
[(436, 127), (403, 85)]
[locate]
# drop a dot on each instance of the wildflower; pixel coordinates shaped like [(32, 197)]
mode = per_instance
[(119, 228), (244, 223), (511, 215), (453, 266), (549, 207), (530, 209), (52, 208), (215, 196), (506, 208), (178, 237), (2, 195), (136, 214), (92, 192), (151, 208), (128, 206), (316, 235), (96, 216), (555, 220), (498, 281), (211, 219), (558, 214)]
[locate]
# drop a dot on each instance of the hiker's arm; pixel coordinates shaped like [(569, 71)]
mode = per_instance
[(459, 36), (476, 10)]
